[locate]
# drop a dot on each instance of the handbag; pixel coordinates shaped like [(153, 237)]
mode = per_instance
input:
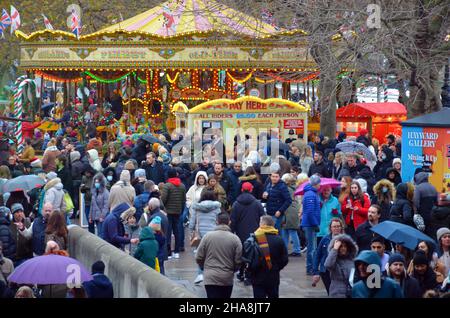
[(157, 268), (195, 237), (69, 203)]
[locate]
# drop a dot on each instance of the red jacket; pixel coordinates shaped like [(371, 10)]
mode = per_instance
[(359, 215)]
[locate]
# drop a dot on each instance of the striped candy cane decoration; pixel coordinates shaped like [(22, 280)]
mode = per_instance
[(18, 110), (385, 88), (124, 88)]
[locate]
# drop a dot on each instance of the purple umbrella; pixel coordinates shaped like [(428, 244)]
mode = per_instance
[(50, 269), (324, 182)]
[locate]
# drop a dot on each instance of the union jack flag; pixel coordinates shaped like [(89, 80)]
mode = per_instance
[(6, 19), (47, 23), (15, 19), (76, 24)]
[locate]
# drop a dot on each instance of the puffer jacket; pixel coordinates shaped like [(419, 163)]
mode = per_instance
[(402, 210), (9, 245), (173, 196), (311, 207), (339, 266), (384, 200), (292, 220), (54, 194), (205, 213), (329, 210), (194, 193)]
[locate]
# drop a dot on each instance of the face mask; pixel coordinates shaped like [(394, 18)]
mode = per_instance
[(385, 189), (97, 185), (109, 178), (383, 156)]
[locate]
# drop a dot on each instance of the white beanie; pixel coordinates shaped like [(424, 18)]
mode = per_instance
[(51, 175), (396, 160), (362, 184)]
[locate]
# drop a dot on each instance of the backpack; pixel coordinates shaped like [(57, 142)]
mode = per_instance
[(252, 254)]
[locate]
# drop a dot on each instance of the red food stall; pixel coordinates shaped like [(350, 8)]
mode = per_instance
[(380, 119)]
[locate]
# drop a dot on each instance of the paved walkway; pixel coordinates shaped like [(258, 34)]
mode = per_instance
[(294, 282)]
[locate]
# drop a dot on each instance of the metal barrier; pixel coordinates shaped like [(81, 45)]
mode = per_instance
[(130, 277)]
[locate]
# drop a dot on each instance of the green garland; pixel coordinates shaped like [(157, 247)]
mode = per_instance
[(106, 81)]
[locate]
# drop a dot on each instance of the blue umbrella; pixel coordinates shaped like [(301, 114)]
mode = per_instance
[(402, 234)]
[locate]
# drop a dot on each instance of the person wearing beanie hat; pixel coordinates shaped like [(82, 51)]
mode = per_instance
[(247, 187), (17, 207), (155, 224), (397, 164), (443, 238), (139, 181), (100, 286), (423, 272), (122, 191), (51, 175), (173, 197), (311, 219), (397, 270)]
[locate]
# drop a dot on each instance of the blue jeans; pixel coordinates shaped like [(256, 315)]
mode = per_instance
[(277, 223), (99, 226), (285, 234), (311, 244), (181, 225)]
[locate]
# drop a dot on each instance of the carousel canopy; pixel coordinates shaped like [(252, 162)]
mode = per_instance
[(185, 17)]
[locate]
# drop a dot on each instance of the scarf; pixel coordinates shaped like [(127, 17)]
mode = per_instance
[(265, 229)]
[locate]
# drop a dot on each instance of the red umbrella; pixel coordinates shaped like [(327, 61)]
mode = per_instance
[(324, 182)]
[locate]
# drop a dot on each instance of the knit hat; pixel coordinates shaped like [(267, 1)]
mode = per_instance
[(397, 257), (362, 183), (128, 213), (420, 258), (396, 160), (4, 211), (172, 173), (314, 180), (155, 224), (16, 207), (441, 232), (275, 167), (139, 173), (98, 267), (51, 175), (166, 158), (74, 155), (247, 186), (125, 176), (36, 163)]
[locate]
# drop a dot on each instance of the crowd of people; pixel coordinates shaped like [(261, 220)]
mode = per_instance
[(142, 199)]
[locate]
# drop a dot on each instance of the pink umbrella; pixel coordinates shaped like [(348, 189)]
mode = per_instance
[(324, 182)]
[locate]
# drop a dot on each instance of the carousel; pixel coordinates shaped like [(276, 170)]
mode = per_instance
[(190, 51)]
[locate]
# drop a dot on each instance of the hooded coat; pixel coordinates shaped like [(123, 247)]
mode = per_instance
[(122, 192), (425, 197), (173, 196), (279, 198), (384, 200), (205, 213), (99, 199), (77, 167), (99, 287), (397, 179), (258, 187), (402, 210), (234, 178), (389, 288), (113, 228), (194, 193), (148, 247), (382, 166), (340, 267), (54, 194), (94, 160), (245, 215), (49, 159)]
